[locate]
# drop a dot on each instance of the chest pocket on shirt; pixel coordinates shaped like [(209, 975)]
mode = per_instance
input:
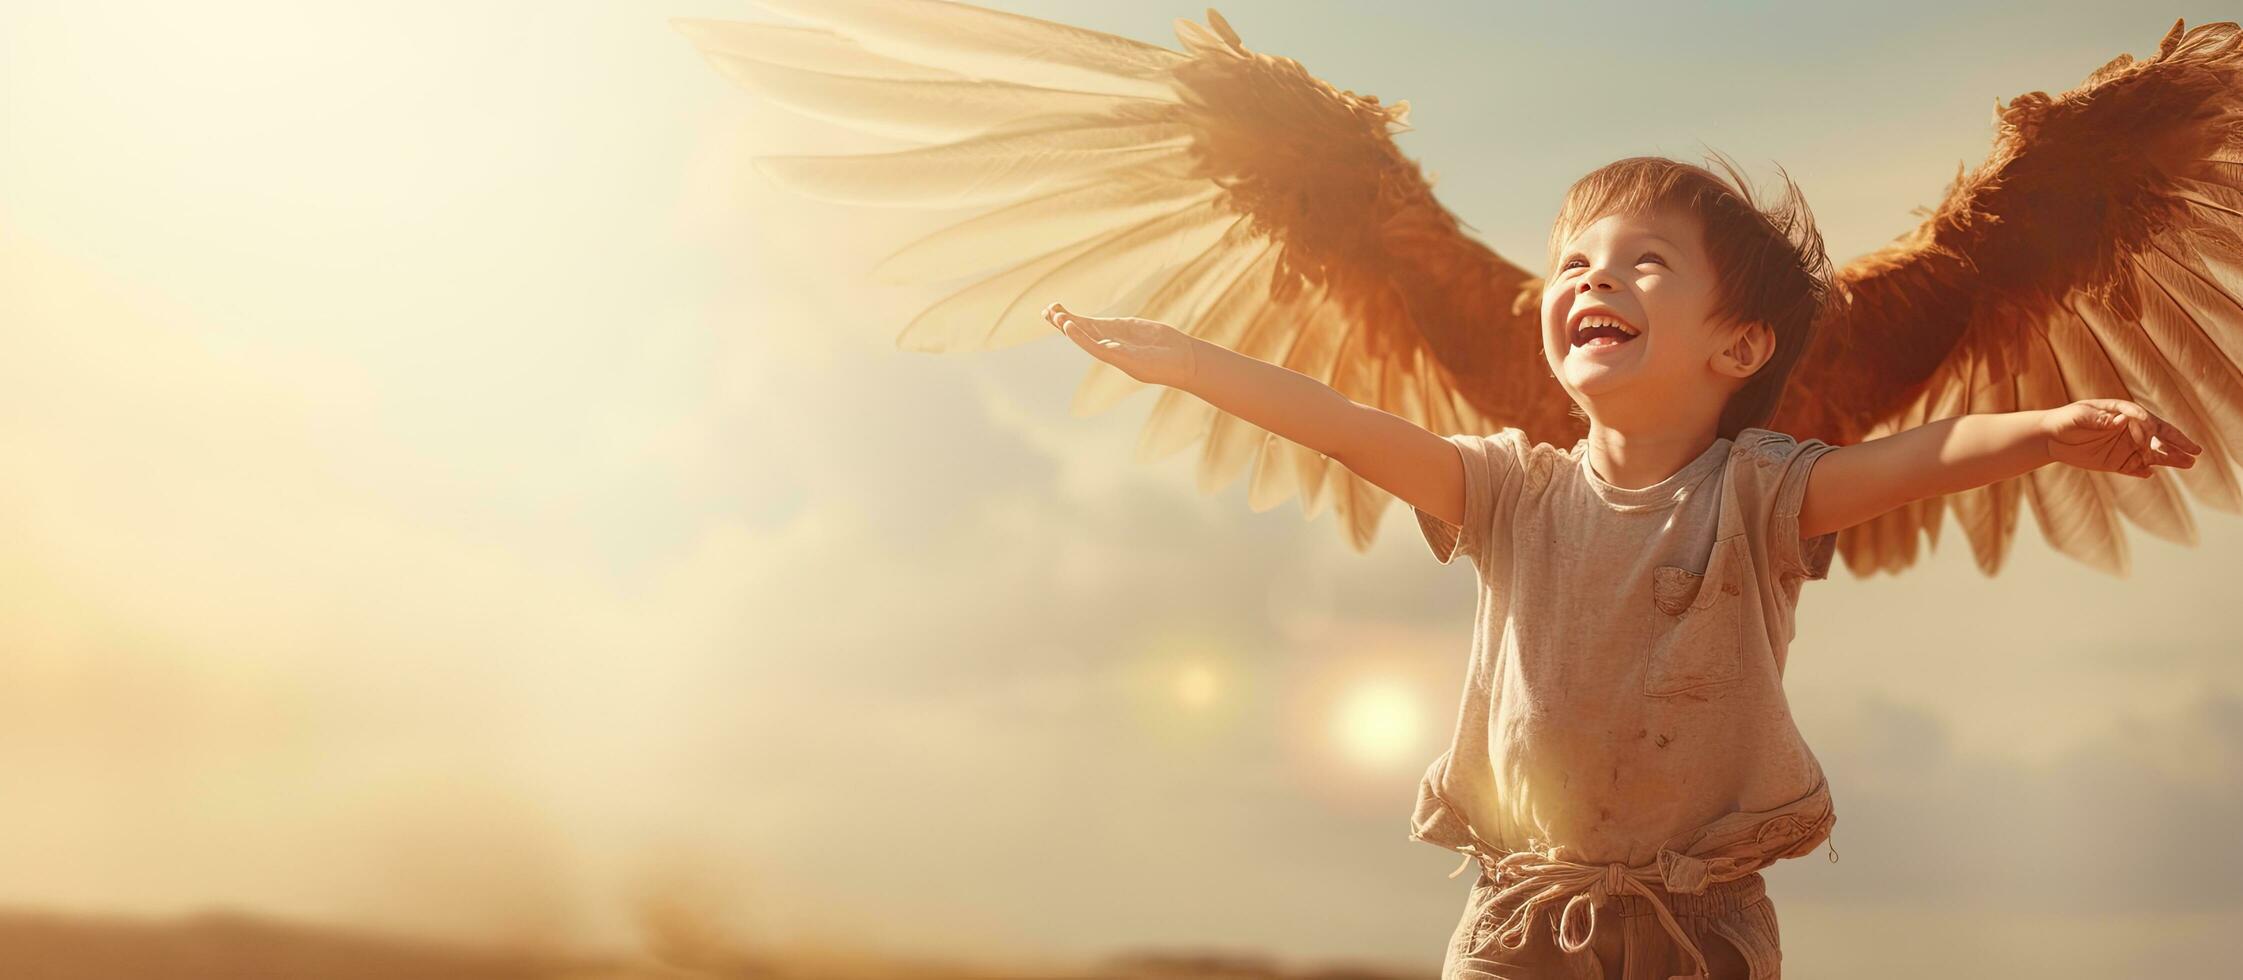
[(1694, 620)]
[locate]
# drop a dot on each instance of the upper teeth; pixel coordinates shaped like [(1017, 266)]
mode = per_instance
[(1605, 321)]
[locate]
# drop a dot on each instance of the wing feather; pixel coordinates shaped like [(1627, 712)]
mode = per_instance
[(1988, 514), (2073, 509), (2170, 308), (983, 316), (1253, 204), (1073, 214), (1274, 478), (1359, 503), (982, 43), (727, 42), (1231, 440), (1182, 298), (2097, 254), (2071, 506), (2152, 382), (1888, 542), (1277, 460), (2153, 505), (915, 106), (2223, 200), (993, 167), (1314, 353), (1180, 417)]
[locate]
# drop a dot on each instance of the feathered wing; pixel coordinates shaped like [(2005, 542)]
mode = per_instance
[(2097, 253), (1250, 203)]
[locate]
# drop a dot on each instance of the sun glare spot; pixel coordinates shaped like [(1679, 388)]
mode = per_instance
[(1377, 723), (1197, 685)]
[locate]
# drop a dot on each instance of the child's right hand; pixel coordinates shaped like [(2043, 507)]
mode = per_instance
[(1147, 350)]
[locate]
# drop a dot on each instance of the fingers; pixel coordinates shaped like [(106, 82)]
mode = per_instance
[(2155, 441), (2162, 444), (2134, 462), (2127, 417), (1077, 329), (2167, 453), (1059, 316), (1066, 323), (2175, 444)]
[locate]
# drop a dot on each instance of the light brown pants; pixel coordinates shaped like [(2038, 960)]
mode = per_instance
[(1733, 924)]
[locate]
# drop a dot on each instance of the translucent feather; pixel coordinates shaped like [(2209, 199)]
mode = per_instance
[(1226, 191), (923, 110), (1003, 310), (993, 168), (981, 43), (1073, 214), (1180, 418), (807, 48), (1182, 298)]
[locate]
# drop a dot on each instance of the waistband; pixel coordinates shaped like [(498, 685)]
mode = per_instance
[(1719, 899), (1527, 882)]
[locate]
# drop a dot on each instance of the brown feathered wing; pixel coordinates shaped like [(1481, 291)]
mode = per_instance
[(2098, 253), (1225, 191)]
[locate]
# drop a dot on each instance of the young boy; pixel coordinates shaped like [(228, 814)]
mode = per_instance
[(1624, 759)]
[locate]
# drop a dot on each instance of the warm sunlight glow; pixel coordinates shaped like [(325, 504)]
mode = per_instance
[(1188, 690), (587, 490), (1377, 723), (1197, 685)]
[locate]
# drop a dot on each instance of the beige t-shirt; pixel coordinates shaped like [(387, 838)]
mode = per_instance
[(1624, 696)]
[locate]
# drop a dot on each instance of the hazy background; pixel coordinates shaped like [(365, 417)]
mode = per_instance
[(447, 491)]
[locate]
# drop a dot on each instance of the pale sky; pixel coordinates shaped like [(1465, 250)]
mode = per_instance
[(448, 490)]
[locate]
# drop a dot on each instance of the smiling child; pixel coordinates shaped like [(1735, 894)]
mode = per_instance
[(1624, 760)]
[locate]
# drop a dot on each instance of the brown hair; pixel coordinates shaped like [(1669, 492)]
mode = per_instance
[(1769, 264)]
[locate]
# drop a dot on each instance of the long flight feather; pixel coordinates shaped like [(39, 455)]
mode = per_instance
[(993, 168), (1067, 215), (808, 48), (983, 43), (920, 110), (1180, 301)]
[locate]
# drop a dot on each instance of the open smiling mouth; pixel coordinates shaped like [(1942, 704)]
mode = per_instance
[(1600, 332)]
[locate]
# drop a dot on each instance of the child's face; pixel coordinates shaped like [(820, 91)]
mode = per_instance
[(1650, 271)]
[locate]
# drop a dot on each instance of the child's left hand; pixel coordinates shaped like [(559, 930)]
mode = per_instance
[(2116, 436)]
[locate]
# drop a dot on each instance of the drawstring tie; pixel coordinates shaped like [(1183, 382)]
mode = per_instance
[(1585, 888)]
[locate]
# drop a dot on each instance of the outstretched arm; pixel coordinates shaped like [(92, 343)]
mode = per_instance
[(1855, 483), (1396, 455)]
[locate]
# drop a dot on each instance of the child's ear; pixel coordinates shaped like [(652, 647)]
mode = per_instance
[(1749, 349)]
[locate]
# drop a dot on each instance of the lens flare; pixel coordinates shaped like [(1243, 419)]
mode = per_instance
[(1197, 685), (1377, 724)]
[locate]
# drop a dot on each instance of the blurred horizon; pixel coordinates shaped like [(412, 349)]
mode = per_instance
[(453, 495)]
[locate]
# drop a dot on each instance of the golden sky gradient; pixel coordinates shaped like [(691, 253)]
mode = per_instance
[(447, 490)]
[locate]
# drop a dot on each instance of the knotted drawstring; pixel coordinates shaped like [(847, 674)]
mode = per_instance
[(1582, 886), (1470, 856), (1561, 879)]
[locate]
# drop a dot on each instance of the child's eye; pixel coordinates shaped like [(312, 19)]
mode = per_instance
[(1652, 256)]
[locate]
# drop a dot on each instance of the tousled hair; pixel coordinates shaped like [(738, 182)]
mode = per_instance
[(1770, 265)]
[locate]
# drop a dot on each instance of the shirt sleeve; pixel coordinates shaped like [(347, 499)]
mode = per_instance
[(1783, 465), (1492, 465)]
